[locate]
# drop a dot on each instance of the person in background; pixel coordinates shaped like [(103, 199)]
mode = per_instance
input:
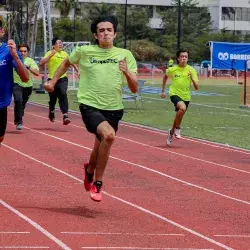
[(22, 90), (53, 59), (182, 76)]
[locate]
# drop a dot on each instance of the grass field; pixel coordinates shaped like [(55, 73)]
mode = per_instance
[(216, 117)]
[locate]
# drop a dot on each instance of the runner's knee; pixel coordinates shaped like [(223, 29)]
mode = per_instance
[(109, 136), (182, 107)]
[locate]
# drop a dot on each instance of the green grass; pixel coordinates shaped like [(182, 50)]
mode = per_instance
[(214, 118)]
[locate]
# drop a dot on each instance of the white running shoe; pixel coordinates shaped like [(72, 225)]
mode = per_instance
[(170, 137), (177, 133)]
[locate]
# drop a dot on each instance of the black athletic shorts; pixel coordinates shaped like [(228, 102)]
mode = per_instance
[(175, 99), (92, 117), (3, 121)]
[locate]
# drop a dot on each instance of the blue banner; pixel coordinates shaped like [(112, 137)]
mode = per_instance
[(229, 56)]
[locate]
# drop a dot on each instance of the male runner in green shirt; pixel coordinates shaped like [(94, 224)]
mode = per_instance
[(21, 90), (103, 68), (182, 76), (53, 59)]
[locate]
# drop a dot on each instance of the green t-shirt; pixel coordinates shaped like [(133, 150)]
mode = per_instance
[(170, 62), (55, 61), (101, 79), (181, 81), (30, 63)]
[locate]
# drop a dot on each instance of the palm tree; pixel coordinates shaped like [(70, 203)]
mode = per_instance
[(65, 6), (99, 9)]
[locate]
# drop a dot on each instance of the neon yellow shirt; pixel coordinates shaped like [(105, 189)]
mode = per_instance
[(170, 62), (55, 61), (30, 63), (101, 79), (181, 81)]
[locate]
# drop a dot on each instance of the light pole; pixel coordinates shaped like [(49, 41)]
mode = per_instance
[(125, 24), (179, 26)]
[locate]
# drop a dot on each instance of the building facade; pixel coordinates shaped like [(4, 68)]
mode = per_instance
[(230, 15)]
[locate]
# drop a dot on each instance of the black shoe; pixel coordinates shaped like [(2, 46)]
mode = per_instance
[(66, 120), (52, 116)]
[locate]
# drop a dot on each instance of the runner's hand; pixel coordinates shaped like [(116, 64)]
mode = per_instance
[(12, 46), (123, 65), (48, 86)]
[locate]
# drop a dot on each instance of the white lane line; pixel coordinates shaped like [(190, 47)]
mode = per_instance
[(160, 149), (23, 247), (203, 105), (233, 236), (187, 156), (35, 225), (196, 140), (135, 206), (147, 248), (130, 163), (161, 132), (131, 234), (14, 232)]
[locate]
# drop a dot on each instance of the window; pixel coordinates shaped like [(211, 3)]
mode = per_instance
[(228, 13)]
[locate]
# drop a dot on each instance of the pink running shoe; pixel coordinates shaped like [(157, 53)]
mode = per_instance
[(96, 191), (88, 178)]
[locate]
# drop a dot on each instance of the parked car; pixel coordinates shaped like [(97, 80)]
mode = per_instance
[(161, 65), (146, 68)]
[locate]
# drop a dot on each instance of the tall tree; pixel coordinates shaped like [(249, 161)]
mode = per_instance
[(196, 21), (65, 6)]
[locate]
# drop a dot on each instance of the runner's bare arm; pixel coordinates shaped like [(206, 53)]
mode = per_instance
[(62, 69), (164, 81), (21, 69), (130, 76)]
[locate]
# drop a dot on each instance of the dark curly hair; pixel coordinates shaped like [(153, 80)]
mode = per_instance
[(24, 45), (111, 19), (181, 51)]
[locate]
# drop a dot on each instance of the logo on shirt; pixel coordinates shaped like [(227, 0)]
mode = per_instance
[(93, 60), (3, 62), (177, 76)]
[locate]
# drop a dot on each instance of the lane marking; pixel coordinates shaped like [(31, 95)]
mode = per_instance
[(14, 232), (237, 236), (159, 149), (135, 206), (196, 140), (22, 247), (147, 248), (35, 225), (203, 105), (129, 163), (134, 234), (161, 132)]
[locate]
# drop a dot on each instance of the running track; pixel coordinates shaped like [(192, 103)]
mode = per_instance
[(192, 195)]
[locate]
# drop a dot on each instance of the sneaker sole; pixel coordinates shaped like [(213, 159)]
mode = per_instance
[(66, 122), (95, 199)]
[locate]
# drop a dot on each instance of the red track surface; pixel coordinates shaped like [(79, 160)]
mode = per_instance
[(192, 195)]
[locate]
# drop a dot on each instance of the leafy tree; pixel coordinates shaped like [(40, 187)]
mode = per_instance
[(80, 29), (65, 6), (144, 50), (191, 28), (94, 10)]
